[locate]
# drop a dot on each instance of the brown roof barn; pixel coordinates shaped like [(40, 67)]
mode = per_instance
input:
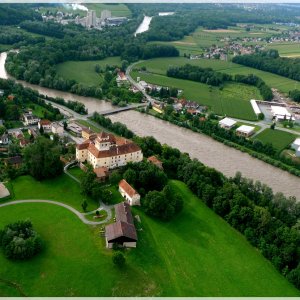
[(122, 232)]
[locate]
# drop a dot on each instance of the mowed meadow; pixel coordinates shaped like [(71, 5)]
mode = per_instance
[(196, 254)]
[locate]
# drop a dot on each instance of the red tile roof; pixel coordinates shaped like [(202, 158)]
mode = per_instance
[(101, 172), (45, 122), (127, 188), (153, 159)]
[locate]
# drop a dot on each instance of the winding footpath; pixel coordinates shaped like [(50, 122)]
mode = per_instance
[(70, 208)]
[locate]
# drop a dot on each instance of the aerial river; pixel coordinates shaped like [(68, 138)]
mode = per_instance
[(92, 104), (212, 153)]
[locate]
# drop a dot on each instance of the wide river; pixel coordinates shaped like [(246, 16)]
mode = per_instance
[(212, 153)]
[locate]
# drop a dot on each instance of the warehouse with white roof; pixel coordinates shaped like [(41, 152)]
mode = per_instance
[(281, 113), (227, 123), (245, 130)]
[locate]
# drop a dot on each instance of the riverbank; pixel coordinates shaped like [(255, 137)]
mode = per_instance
[(210, 152)]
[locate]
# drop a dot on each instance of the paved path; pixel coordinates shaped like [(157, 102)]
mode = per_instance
[(73, 210), (69, 174)]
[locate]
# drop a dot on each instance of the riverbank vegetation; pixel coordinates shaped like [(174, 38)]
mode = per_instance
[(243, 204)]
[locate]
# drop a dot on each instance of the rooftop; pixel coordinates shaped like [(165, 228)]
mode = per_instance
[(127, 188), (246, 129), (227, 122)]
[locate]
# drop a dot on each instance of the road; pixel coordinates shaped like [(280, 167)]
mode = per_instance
[(73, 210)]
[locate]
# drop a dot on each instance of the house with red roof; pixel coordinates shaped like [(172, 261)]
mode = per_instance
[(129, 193)]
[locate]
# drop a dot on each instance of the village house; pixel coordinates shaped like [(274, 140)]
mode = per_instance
[(296, 146), (227, 123), (46, 124), (23, 143), (158, 107), (58, 129), (76, 129), (129, 193), (122, 232), (30, 119), (245, 130), (88, 134), (121, 78), (108, 151), (281, 113), (155, 161)]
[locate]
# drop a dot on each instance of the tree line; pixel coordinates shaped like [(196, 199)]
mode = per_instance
[(214, 78), (270, 61), (269, 221)]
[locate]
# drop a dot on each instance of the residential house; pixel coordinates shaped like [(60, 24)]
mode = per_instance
[(129, 193), (121, 78), (56, 128), (296, 146), (245, 130), (30, 119), (281, 113), (158, 107), (122, 232), (23, 143), (108, 151), (227, 123), (155, 161), (45, 124), (76, 129)]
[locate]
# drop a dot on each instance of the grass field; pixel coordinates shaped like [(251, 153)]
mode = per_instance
[(160, 65), (84, 71), (76, 172), (196, 254), (278, 138), (62, 188)]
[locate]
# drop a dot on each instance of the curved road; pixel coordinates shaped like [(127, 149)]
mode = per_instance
[(73, 210)]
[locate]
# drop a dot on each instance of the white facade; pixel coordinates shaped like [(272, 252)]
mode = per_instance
[(296, 144), (255, 107), (46, 126), (281, 113), (132, 200), (30, 119)]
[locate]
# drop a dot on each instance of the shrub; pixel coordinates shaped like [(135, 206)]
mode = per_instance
[(19, 240)]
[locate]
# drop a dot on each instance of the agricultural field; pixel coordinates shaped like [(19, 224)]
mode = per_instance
[(160, 66), (278, 138), (62, 188), (171, 260), (286, 49), (84, 71)]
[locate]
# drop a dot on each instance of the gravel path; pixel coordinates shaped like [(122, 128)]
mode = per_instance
[(73, 210)]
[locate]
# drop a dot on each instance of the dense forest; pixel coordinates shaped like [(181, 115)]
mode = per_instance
[(214, 78), (270, 61), (268, 221)]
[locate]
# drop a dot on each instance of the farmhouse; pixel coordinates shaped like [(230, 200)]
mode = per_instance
[(227, 123), (245, 130), (108, 151), (122, 232), (155, 161), (129, 193)]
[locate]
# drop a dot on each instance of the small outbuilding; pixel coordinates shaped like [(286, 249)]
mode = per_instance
[(296, 144), (122, 232), (155, 161), (227, 123), (129, 193), (245, 130)]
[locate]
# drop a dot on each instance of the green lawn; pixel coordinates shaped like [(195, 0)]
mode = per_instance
[(160, 65), (76, 172), (278, 138), (62, 188), (84, 71), (196, 254), (233, 100)]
